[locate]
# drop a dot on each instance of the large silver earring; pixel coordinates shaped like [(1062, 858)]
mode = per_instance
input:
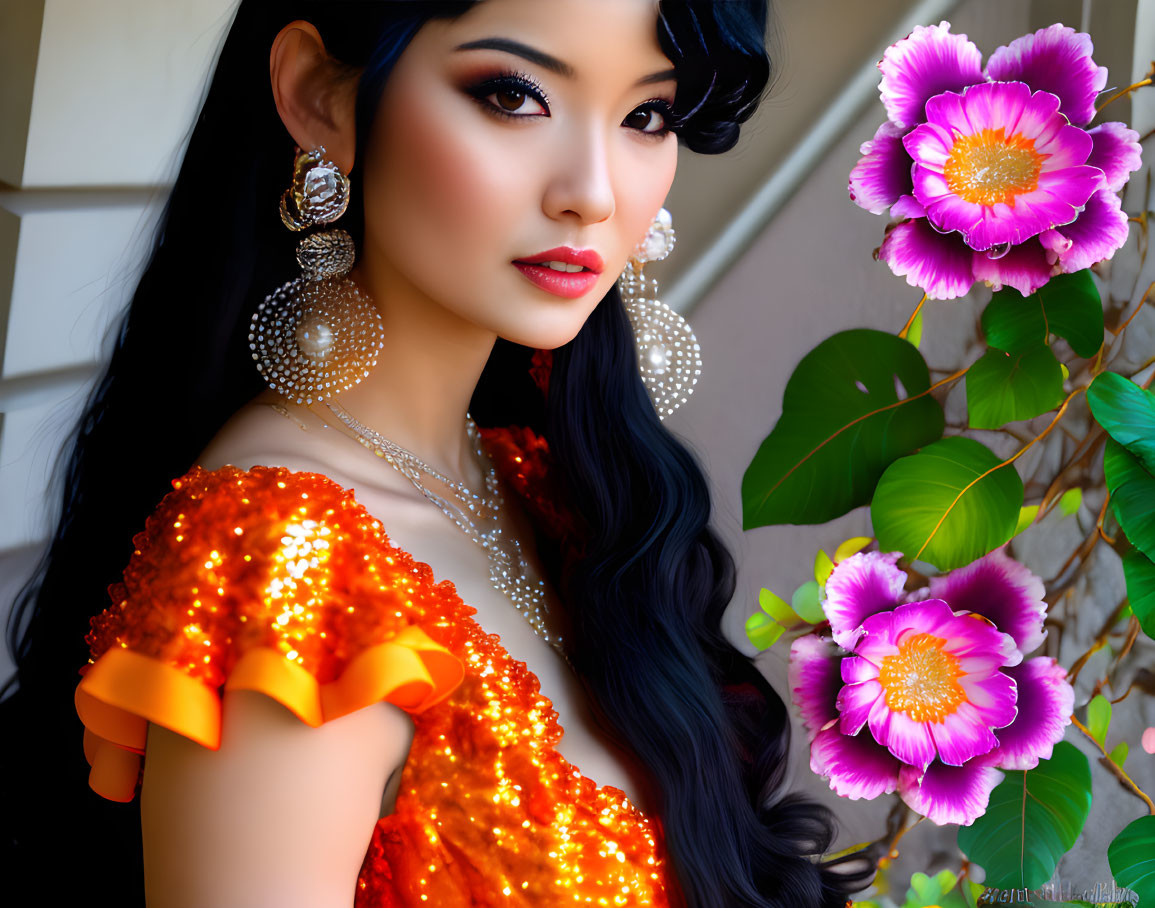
[(669, 358), (317, 335)]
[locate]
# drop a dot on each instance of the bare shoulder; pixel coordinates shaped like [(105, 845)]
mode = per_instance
[(270, 431), (264, 431)]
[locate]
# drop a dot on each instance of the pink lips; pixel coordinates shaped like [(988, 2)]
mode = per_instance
[(566, 284)]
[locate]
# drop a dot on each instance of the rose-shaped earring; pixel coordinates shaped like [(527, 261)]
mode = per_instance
[(317, 335), (669, 358)]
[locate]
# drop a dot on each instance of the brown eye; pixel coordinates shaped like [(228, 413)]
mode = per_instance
[(512, 96), (509, 99), (649, 120), (639, 119)]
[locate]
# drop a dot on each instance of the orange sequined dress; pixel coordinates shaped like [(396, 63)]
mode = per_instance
[(279, 581)]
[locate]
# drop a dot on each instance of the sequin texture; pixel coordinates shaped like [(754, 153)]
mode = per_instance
[(235, 563)]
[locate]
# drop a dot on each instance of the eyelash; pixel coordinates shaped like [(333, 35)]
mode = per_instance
[(527, 84)]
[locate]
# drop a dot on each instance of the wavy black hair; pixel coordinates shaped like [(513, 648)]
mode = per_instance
[(652, 578)]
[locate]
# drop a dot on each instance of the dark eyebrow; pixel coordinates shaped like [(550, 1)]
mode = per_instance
[(541, 58)]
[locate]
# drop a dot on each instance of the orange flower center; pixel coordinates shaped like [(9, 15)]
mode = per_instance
[(988, 167), (922, 680)]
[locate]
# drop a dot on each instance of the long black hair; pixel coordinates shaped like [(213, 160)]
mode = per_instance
[(652, 581)]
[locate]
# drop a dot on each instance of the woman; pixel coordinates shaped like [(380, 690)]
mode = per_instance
[(493, 148)]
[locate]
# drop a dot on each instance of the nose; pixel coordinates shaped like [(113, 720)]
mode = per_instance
[(581, 182)]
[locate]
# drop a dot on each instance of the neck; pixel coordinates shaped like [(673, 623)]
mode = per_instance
[(418, 393)]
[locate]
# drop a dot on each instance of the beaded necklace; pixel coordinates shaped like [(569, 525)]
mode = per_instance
[(509, 572)]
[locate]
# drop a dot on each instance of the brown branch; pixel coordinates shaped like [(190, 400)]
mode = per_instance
[(1125, 694), (892, 850), (1091, 439), (1142, 301), (910, 321), (1128, 89), (1099, 642), (1115, 768), (1081, 553), (1102, 516)]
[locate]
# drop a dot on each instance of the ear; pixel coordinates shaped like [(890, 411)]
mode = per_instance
[(315, 95)]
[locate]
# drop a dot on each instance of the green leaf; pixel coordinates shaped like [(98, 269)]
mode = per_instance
[(1132, 491), (1027, 516), (1099, 718), (1070, 502), (1119, 753), (1127, 412), (1132, 858), (807, 602), (914, 334), (762, 630), (776, 607), (926, 891), (949, 504), (856, 402), (1032, 820), (1005, 387), (1139, 572), (971, 893), (1068, 305), (823, 567)]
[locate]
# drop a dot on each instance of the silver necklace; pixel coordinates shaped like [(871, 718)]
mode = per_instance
[(509, 572)]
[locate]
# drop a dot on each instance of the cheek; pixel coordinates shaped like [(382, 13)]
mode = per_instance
[(437, 180), (646, 183)]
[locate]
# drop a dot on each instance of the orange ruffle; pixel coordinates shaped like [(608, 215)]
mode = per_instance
[(123, 691)]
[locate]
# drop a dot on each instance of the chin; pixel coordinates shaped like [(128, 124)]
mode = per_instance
[(545, 338), (550, 322)]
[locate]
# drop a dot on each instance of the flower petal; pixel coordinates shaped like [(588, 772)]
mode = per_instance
[(1024, 267), (1096, 234), (1001, 590), (966, 636), (1057, 201), (928, 616), (856, 766), (962, 735), (945, 210), (907, 206), (882, 174), (855, 702), (1055, 59), (928, 61), (1116, 151), (855, 670), (949, 794), (1009, 106), (931, 143), (1045, 700), (940, 264), (907, 739), (1055, 244), (814, 681), (993, 697), (859, 587), (1065, 146)]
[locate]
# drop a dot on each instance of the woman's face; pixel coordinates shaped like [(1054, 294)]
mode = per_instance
[(522, 131)]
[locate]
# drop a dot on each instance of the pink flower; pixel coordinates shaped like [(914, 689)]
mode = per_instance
[(929, 696), (994, 176)]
